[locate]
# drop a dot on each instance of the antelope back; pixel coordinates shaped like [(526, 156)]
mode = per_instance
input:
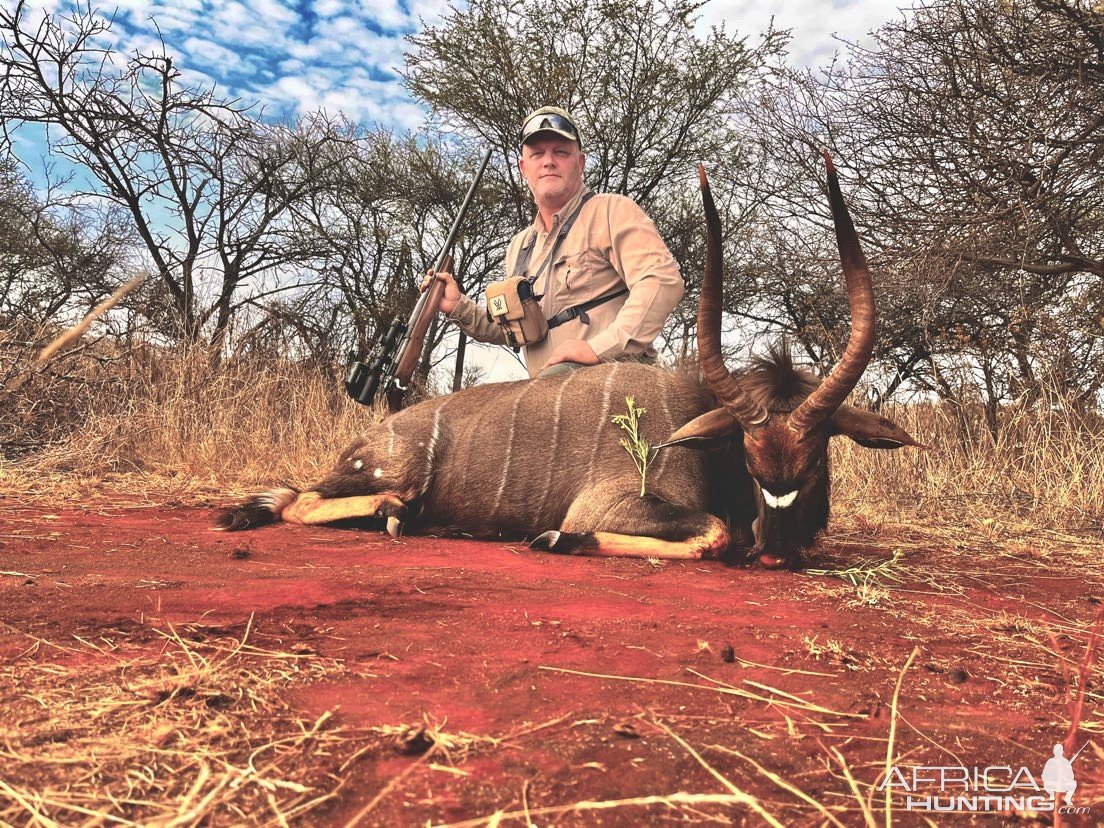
[(511, 458)]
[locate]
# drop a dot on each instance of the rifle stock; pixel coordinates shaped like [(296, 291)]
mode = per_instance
[(410, 349), (395, 357)]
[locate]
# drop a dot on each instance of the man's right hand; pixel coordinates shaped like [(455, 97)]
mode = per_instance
[(452, 291)]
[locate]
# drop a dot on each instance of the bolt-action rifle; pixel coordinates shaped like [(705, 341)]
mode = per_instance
[(394, 357)]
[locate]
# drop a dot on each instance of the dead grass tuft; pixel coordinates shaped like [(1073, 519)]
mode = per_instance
[(161, 726), (185, 428), (1042, 471)]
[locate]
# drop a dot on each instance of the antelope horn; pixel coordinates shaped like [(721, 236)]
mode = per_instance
[(739, 404), (860, 296)]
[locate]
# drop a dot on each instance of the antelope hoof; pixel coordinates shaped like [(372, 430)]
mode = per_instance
[(562, 543), (546, 542), (769, 561), (565, 543), (394, 526)]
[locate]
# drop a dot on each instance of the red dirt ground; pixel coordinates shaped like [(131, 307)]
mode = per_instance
[(587, 669)]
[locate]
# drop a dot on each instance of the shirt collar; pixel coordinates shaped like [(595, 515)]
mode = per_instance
[(559, 217)]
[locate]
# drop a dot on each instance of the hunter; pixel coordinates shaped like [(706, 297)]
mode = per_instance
[(589, 281)]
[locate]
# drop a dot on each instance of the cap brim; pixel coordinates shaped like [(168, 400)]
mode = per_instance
[(547, 132)]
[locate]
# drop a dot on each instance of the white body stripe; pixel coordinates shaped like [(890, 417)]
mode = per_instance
[(555, 443), (663, 453), (431, 448), (603, 420), (509, 450)]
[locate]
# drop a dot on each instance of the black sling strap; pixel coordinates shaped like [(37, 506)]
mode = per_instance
[(527, 251), (580, 311)]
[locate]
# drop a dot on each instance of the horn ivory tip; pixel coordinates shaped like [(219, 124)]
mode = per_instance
[(703, 180)]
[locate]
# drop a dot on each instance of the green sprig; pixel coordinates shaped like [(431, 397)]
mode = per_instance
[(639, 449)]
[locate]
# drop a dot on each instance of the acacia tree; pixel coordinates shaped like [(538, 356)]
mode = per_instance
[(54, 252), (58, 259), (994, 109), (379, 225), (207, 189), (973, 135), (652, 96)]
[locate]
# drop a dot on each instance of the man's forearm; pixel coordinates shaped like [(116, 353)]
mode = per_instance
[(640, 320), (473, 321)]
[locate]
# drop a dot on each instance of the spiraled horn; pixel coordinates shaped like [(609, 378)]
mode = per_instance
[(860, 295), (746, 411)]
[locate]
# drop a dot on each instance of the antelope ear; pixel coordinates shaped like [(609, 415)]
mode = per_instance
[(712, 425), (869, 429)]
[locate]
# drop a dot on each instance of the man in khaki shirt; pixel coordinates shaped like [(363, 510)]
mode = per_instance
[(607, 287)]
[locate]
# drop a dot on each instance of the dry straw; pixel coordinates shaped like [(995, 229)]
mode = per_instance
[(184, 424), (163, 726)]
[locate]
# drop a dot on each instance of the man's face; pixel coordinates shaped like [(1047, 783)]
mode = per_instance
[(553, 168)]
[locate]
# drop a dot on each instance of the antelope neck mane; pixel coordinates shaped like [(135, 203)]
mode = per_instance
[(775, 382)]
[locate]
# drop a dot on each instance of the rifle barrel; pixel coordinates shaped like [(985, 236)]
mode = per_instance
[(409, 350), (446, 248)]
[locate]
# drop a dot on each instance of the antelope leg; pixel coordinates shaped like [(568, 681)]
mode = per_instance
[(311, 508), (612, 545)]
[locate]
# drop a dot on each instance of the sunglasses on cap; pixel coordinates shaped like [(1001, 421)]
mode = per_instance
[(549, 122)]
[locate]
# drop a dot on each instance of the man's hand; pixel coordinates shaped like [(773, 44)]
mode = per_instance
[(573, 350), (452, 291)]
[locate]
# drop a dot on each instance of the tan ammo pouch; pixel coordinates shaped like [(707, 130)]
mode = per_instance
[(512, 305)]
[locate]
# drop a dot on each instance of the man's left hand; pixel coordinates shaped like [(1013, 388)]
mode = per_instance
[(573, 350)]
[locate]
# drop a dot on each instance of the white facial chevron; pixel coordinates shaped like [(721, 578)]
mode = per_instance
[(779, 501)]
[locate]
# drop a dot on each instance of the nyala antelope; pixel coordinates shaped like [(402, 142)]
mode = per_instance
[(744, 471)]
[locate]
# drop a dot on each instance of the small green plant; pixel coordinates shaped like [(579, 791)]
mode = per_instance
[(639, 449)]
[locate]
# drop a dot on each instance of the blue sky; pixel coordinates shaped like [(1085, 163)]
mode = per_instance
[(296, 56)]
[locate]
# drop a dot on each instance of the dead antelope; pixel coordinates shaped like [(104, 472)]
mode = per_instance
[(747, 465)]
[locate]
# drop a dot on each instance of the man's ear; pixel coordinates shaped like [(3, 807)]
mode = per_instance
[(869, 429)]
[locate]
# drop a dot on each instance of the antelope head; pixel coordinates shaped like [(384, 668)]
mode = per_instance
[(785, 417)]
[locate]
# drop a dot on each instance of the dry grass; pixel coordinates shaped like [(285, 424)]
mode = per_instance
[(160, 727), (179, 427), (1043, 470), (186, 428)]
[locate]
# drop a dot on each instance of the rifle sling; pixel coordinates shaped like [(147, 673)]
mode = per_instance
[(526, 252), (580, 311)]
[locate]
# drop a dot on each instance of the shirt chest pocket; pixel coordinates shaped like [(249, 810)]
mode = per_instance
[(573, 273)]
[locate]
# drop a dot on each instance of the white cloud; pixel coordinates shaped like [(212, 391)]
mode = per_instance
[(328, 8), (261, 25), (387, 13), (355, 94), (348, 41), (430, 11), (812, 22), (207, 52)]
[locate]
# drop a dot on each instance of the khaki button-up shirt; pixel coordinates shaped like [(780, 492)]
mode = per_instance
[(612, 244)]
